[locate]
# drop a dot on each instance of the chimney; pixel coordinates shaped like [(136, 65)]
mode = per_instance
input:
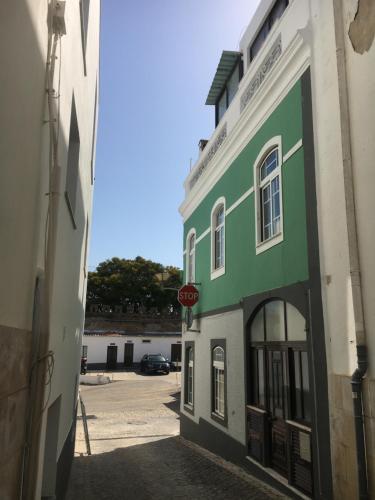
[(202, 144)]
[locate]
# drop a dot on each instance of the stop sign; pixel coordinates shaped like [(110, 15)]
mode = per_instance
[(188, 295)]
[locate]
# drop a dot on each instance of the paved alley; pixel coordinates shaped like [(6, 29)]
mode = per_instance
[(137, 453)]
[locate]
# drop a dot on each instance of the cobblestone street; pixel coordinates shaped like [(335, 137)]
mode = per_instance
[(138, 454)]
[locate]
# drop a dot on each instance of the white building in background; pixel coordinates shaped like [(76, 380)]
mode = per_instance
[(49, 85), (106, 350)]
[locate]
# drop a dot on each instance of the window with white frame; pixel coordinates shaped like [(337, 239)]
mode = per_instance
[(191, 259), (269, 191), (190, 376), (268, 195), (218, 381), (218, 239)]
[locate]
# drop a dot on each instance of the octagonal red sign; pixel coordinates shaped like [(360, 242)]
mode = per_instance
[(188, 295)]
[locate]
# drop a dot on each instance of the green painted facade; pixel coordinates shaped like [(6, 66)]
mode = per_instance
[(283, 264)]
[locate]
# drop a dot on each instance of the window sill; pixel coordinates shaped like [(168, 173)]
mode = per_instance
[(266, 245), (189, 408), (216, 273), (219, 419)]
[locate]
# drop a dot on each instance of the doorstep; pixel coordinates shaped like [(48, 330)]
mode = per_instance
[(279, 478)]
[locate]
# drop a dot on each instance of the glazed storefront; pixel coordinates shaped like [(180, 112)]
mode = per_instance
[(280, 406)]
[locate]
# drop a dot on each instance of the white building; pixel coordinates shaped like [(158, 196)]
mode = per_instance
[(110, 350), (49, 54), (279, 365)]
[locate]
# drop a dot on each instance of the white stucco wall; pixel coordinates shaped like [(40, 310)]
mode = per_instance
[(97, 346), (24, 181), (227, 326), (70, 281)]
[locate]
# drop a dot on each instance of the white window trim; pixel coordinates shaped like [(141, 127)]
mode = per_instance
[(191, 232), (262, 246), (191, 365), (218, 366), (216, 273)]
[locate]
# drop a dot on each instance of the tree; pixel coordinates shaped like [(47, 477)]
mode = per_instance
[(138, 282)]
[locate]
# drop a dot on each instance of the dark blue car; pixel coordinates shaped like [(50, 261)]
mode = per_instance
[(154, 363)]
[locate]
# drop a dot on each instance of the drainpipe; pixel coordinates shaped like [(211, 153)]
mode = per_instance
[(37, 406), (355, 274)]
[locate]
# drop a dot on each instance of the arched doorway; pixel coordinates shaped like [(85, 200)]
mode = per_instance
[(279, 406)]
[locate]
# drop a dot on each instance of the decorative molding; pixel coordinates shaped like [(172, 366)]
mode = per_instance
[(208, 157), (203, 235), (266, 66), (292, 150), (240, 200), (287, 70)]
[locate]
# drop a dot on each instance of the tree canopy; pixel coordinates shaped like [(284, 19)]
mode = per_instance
[(139, 283)]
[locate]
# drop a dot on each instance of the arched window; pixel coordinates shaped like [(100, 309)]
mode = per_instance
[(218, 371), (269, 190), (279, 360), (190, 256), (218, 239), (268, 195), (279, 409)]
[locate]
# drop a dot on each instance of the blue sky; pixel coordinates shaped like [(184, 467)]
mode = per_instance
[(158, 59)]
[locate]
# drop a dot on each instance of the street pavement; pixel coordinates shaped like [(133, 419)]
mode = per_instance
[(137, 453)]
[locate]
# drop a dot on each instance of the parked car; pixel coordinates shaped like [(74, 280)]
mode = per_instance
[(153, 363)]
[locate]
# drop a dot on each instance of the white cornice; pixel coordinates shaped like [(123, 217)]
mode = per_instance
[(286, 72)]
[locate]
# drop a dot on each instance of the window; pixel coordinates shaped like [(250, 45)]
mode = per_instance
[(218, 381), (72, 172), (84, 351), (230, 88), (190, 376), (146, 341), (84, 11), (86, 248), (94, 133), (268, 195), (190, 251), (279, 362), (301, 387), (218, 239), (275, 14)]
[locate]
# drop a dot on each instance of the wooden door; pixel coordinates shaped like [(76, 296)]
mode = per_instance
[(112, 357), (128, 355), (277, 406), (176, 354)]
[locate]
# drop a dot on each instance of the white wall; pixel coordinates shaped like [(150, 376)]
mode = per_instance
[(24, 183), (70, 282), (227, 326), (97, 346)]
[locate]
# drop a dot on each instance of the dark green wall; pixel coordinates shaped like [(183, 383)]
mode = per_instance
[(245, 272)]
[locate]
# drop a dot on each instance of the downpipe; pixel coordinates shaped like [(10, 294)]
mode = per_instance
[(359, 424)]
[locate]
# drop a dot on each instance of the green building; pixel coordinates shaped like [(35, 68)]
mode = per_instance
[(255, 378)]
